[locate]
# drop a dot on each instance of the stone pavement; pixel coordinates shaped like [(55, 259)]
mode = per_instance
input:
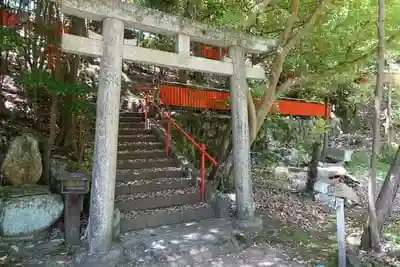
[(207, 243), (211, 242), (258, 255)]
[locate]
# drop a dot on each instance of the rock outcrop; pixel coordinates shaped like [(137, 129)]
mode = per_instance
[(23, 162), (28, 209), (290, 179), (332, 181)]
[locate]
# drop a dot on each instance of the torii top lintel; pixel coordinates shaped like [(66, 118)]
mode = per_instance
[(151, 20)]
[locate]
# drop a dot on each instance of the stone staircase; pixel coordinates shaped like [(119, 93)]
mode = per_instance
[(151, 189)]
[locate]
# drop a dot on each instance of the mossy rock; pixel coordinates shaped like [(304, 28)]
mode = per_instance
[(23, 162)]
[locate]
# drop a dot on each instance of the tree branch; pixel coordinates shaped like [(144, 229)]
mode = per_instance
[(284, 87), (290, 23), (369, 53), (251, 20), (296, 26), (307, 27)]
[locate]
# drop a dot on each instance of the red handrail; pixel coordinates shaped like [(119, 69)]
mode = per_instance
[(172, 123), (195, 144)]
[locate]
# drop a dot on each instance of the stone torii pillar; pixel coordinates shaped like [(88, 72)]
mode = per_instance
[(100, 249), (241, 146)]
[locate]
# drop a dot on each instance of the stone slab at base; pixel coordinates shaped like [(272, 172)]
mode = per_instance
[(339, 154), (111, 258), (31, 237), (222, 205), (251, 225)]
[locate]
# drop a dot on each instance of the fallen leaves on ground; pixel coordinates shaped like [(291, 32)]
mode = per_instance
[(286, 206), (298, 213)]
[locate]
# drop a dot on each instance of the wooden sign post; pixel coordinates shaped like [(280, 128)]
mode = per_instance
[(73, 186), (340, 226)]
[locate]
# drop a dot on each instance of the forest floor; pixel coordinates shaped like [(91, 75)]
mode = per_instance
[(308, 228), (297, 230)]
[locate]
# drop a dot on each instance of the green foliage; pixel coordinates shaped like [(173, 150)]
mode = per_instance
[(361, 162), (84, 166), (10, 40), (37, 80), (206, 129), (387, 153), (83, 106), (43, 79), (288, 132), (321, 126), (257, 91)]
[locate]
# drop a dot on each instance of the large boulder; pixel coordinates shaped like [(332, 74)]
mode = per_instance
[(328, 190), (23, 162), (25, 215), (339, 154), (328, 172), (295, 180), (290, 179)]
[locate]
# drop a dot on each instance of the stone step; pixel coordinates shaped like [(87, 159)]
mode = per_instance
[(145, 174), (131, 124), (141, 219), (131, 119), (131, 114), (187, 244), (134, 131), (146, 163), (137, 137), (139, 145), (154, 185), (141, 153), (159, 199)]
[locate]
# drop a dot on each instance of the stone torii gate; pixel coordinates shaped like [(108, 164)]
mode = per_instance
[(117, 15)]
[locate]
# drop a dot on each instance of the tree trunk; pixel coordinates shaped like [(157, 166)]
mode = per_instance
[(78, 27), (313, 166), (53, 109), (224, 172), (222, 154), (326, 134), (372, 224), (385, 198), (389, 127), (252, 117)]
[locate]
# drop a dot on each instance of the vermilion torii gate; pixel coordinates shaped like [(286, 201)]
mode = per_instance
[(117, 15)]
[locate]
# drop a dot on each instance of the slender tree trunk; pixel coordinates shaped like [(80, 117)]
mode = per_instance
[(223, 148), (387, 193), (385, 198), (78, 27), (313, 166), (372, 223), (252, 117), (326, 134), (390, 132), (52, 124)]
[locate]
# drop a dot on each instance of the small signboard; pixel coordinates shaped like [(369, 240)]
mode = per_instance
[(74, 183)]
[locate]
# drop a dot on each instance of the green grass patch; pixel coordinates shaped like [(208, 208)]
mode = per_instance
[(316, 247), (360, 165), (391, 231)]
